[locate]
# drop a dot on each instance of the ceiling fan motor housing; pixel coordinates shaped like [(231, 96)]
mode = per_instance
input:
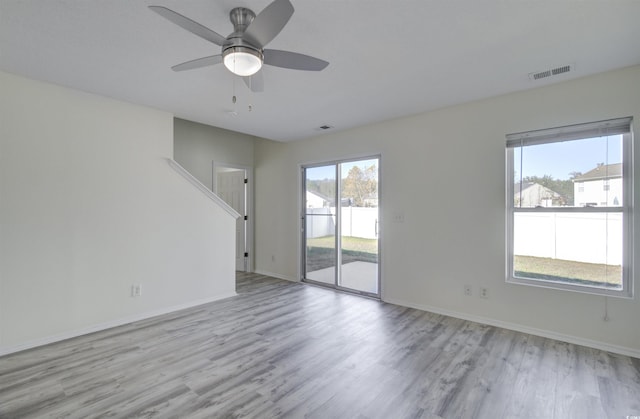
[(241, 18)]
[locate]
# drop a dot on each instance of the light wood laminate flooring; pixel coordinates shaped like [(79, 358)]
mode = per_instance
[(282, 349)]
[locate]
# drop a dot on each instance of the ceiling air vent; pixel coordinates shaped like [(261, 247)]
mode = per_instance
[(540, 75), (560, 70), (551, 72)]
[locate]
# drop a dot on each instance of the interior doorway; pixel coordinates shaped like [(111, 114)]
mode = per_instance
[(340, 225), (233, 185)]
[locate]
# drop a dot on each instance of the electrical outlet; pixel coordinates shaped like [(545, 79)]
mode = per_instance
[(484, 292), (467, 290), (136, 290), (398, 217)]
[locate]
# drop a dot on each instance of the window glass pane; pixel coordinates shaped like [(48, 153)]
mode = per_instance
[(568, 227), (575, 248), (320, 219), (578, 173), (359, 225), (320, 187)]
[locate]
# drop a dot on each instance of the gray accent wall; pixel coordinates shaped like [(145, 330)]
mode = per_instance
[(196, 146)]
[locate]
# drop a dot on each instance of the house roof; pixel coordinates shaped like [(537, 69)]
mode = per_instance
[(319, 195), (527, 185), (603, 171)]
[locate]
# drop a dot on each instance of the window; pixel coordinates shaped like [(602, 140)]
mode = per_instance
[(569, 208)]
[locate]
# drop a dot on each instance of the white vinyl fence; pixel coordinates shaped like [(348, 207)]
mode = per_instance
[(591, 238), (356, 222), (581, 237)]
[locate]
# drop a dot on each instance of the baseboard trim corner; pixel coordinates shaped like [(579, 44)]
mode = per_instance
[(604, 346), (275, 275), (109, 324)]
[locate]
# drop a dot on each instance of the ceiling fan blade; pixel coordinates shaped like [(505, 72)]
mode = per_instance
[(268, 23), (198, 63), (293, 60), (190, 25), (255, 82)]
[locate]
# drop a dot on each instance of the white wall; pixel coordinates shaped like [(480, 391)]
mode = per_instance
[(197, 145), (88, 207), (437, 169)]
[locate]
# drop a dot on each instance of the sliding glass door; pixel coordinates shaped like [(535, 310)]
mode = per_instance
[(340, 225), (320, 224)]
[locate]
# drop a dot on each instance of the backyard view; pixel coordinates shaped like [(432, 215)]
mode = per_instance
[(320, 251), (567, 220), (568, 271), (341, 230)]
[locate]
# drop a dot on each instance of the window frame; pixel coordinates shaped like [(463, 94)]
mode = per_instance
[(620, 126)]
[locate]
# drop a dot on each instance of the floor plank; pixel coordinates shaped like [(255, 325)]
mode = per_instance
[(282, 349)]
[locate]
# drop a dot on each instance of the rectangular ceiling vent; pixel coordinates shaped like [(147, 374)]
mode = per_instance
[(551, 72)]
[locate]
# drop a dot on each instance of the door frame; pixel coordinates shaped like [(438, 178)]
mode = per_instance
[(302, 220), (249, 193)]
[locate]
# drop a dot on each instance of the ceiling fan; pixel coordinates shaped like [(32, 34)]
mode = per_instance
[(243, 51)]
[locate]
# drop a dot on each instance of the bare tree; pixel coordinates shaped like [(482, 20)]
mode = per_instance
[(360, 185)]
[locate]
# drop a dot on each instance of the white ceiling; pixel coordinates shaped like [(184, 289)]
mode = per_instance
[(387, 58)]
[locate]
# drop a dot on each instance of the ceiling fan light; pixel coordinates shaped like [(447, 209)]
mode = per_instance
[(242, 61)]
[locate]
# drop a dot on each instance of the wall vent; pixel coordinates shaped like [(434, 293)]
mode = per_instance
[(541, 74), (551, 72), (560, 70)]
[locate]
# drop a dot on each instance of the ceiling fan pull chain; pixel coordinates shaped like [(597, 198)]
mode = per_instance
[(233, 88), (250, 89)]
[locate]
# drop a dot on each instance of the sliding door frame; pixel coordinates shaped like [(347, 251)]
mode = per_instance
[(338, 230)]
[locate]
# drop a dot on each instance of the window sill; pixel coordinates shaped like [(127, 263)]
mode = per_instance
[(562, 286)]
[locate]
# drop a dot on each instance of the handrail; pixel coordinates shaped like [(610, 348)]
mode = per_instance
[(195, 182)]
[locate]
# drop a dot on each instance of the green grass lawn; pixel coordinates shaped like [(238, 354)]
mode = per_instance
[(320, 251), (568, 271), (357, 244), (320, 255)]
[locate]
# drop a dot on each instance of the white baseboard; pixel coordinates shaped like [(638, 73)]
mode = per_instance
[(622, 350), (274, 275), (108, 325)]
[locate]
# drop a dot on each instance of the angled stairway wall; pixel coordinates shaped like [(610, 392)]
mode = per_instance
[(90, 207)]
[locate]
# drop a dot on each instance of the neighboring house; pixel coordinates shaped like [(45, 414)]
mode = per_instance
[(371, 200), (599, 187), (317, 200), (532, 194)]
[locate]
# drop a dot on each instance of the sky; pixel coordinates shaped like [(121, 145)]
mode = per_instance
[(555, 159), (560, 159), (328, 172)]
